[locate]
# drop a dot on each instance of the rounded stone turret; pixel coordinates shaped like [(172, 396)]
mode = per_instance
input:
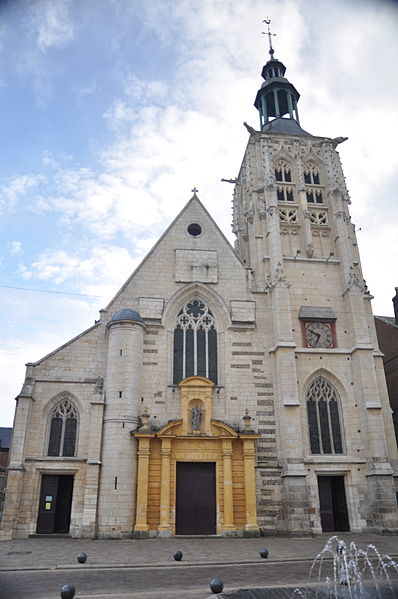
[(116, 511), (127, 314)]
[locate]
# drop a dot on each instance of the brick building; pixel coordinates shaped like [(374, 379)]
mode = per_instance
[(387, 335), (5, 444), (250, 374)]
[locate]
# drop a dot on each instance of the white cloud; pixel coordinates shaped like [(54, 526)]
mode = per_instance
[(54, 27), (15, 247), (18, 188), (89, 266), (43, 322)]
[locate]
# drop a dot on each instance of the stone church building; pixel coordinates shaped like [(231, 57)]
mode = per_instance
[(223, 391)]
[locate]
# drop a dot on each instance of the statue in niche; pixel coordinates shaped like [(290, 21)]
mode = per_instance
[(196, 418)]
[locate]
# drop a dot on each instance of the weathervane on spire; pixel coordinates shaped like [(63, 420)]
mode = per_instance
[(271, 50)]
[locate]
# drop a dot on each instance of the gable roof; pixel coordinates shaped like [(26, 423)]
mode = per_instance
[(194, 200)]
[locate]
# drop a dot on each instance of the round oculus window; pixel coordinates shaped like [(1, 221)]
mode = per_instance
[(194, 229)]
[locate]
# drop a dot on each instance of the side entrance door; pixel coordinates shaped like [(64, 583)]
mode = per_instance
[(196, 498), (333, 505), (55, 504)]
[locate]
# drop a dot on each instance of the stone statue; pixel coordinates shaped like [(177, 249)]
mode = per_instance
[(196, 418)]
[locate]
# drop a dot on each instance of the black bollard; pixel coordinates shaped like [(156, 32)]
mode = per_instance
[(264, 553), (177, 556), (216, 585), (68, 591), (81, 558)]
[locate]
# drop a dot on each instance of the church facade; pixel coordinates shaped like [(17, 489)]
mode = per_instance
[(223, 391)]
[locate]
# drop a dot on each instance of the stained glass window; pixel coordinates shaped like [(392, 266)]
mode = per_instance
[(63, 429), (195, 342), (323, 417)]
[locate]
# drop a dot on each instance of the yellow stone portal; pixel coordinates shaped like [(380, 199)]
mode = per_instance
[(195, 437)]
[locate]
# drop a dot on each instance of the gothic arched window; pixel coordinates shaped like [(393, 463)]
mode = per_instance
[(195, 343), (323, 417), (283, 174), (312, 180), (63, 429)]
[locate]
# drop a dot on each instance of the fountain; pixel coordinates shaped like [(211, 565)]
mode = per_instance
[(352, 573), (339, 571)]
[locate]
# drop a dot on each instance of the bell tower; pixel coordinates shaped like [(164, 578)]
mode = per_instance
[(295, 236), (277, 96)]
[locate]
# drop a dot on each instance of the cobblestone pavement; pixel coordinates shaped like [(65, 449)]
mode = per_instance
[(128, 569)]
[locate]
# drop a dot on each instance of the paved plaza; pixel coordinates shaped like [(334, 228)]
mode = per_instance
[(128, 569)]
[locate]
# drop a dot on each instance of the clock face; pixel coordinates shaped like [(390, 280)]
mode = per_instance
[(319, 334)]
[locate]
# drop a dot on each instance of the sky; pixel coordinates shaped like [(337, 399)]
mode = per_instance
[(114, 110)]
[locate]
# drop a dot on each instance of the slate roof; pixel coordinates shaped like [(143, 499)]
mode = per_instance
[(5, 437), (282, 125), (388, 320)]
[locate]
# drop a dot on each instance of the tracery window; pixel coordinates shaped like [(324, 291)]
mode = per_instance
[(63, 430), (195, 342), (283, 174), (283, 171), (323, 417), (311, 178)]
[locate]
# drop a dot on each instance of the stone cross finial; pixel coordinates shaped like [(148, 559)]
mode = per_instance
[(194, 190)]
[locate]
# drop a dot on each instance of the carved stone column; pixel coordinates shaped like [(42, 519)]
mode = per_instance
[(250, 485), (164, 527), (141, 524), (228, 496), (307, 233)]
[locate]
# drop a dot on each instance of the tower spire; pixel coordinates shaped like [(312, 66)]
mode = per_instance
[(277, 98), (271, 50)]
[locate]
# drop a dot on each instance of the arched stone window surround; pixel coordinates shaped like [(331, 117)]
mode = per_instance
[(220, 313), (285, 189), (283, 164), (336, 385), (312, 162), (47, 412)]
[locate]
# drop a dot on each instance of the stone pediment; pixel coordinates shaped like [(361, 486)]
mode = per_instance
[(175, 428)]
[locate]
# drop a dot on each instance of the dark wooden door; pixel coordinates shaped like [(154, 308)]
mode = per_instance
[(333, 505), (196, 498), (55, 504)]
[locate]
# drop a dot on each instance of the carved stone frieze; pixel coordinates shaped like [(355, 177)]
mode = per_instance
[(309, 252), (249, 215), (279, 278), (261, 207), (355, 279), (320, 232)]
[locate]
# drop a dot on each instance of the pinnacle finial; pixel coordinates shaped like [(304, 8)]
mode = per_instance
[(271, 50)]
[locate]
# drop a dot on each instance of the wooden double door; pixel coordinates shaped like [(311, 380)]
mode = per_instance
[(55, 504), (333, 505), (196, 498)]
